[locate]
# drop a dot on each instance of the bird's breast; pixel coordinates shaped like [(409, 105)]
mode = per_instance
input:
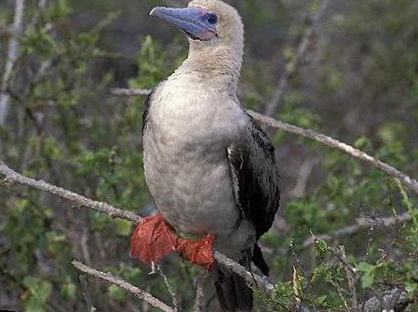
[(190, 184), (186, 166)]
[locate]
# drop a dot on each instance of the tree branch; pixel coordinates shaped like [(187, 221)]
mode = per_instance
[(250, 278), (291, 67), (12, 55), (114, 212), (80, 200), (308, 133), (141, 294)]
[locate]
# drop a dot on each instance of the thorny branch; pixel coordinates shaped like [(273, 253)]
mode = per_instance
[(114, 212), (141, 294), (291, 67), (316, 136)]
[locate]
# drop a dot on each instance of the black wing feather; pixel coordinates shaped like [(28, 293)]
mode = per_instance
[(255, 179)]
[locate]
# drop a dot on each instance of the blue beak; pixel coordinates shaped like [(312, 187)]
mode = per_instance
[(198, 23)]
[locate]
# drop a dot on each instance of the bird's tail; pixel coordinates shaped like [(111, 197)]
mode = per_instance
[(233, 293)]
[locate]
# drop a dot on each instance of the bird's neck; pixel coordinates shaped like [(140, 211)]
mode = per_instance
[(218, 65)]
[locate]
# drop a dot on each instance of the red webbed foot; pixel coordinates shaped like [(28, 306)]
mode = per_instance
[(154, 239), (198, 251)]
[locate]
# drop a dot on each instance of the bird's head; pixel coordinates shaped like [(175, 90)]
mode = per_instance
[(209, 24)]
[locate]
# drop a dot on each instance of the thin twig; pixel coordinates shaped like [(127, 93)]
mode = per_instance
[(200, 282), (305, 171), (12, 55), (272, 107), (114, 212), (361, 224), (169, 287), (350, 273), (130, 92), (141, 294), (296, 288), (86, 294), (39, 10)]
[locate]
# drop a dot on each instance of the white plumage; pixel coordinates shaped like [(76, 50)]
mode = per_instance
[(186, 165)]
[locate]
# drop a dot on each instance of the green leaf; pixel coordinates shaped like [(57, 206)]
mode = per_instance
[(321, 247), (123, 227), (117, 292), (368, 270), (40, 291)]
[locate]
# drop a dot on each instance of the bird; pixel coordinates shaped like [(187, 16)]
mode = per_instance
[(211, 170)]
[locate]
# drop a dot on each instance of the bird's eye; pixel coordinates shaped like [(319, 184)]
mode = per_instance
[(212, 18)]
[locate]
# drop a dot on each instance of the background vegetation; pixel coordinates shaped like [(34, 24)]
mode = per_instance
[(358, 81)]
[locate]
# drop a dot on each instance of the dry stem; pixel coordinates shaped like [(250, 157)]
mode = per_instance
[(291, 67), (141, 294)]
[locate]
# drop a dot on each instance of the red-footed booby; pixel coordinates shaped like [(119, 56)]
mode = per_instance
[(210, 169)]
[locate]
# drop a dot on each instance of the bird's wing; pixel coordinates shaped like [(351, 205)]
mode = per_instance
[(255, 178), (255, 182)]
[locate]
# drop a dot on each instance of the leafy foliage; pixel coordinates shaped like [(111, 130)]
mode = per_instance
[(65, 127)]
